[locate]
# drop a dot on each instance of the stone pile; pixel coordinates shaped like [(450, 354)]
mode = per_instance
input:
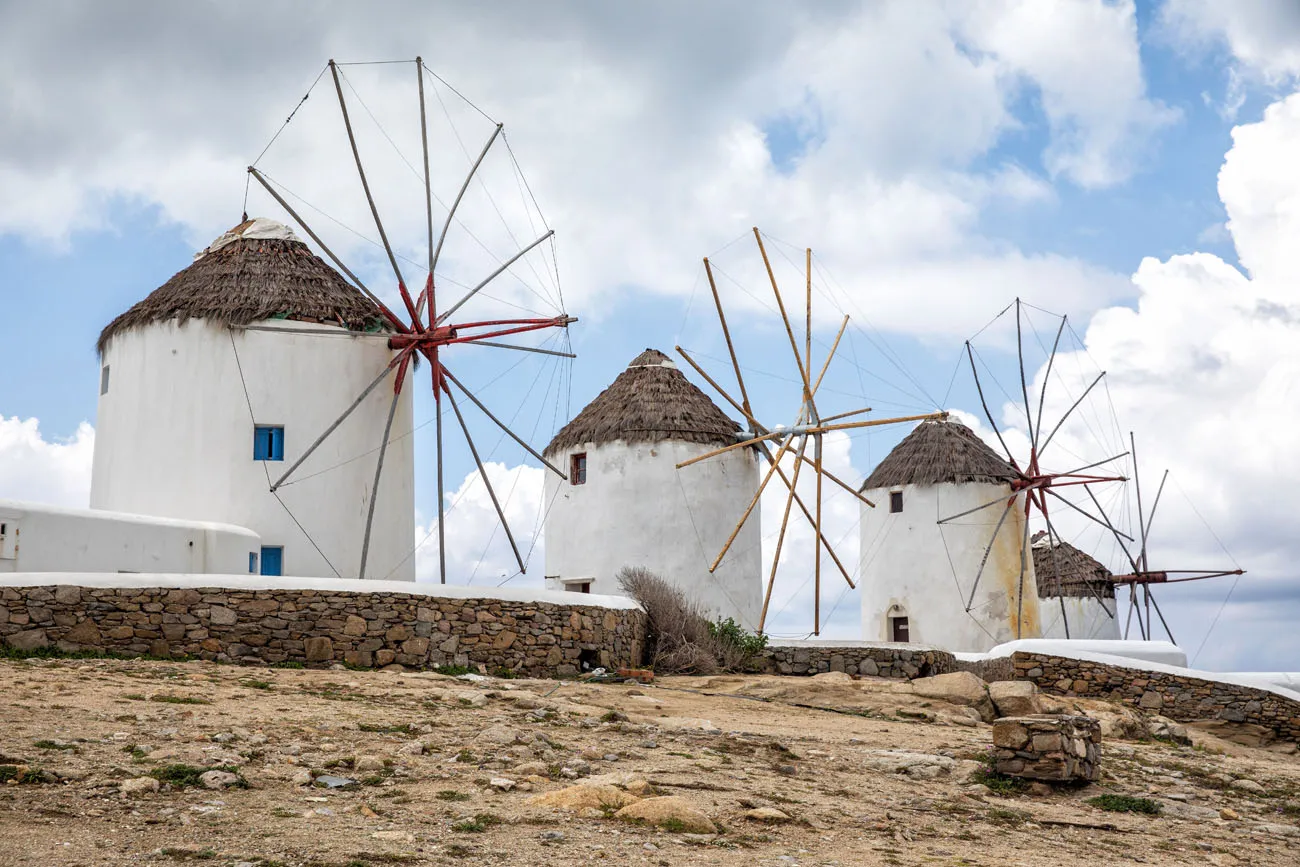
[(1054, 748)]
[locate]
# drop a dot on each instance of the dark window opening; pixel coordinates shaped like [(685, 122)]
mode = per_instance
[(578, 469), (588, 659), (898, 629), (578, 586), (896, 501), (103, 380), (252, 562), (268, 443)]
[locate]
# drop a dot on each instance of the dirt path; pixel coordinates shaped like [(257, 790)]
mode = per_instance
[(424, 750)]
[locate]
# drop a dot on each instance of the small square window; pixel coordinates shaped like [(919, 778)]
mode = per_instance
[(252, 562), (272, 560), (896, 502), (578, 469), (268, 443), (103, 380)]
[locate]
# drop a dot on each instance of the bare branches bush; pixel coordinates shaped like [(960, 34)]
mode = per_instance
[(682, 640)]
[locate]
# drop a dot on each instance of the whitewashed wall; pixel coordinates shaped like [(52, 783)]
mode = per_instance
[(638, 509), (912, 566), (39, 538), (174, 438), (1086, 616)]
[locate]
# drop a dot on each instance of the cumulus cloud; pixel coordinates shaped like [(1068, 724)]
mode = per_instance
[(893, 109), (1263, 35), (40, 470)]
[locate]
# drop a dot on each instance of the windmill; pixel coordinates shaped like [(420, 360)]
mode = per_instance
[(809, 427), (1039, 485), (1142, 575), (424, 329)]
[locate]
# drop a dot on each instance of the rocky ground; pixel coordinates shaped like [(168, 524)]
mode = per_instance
[(113, 762)]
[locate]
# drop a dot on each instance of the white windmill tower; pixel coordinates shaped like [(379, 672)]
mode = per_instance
[(626, 504)]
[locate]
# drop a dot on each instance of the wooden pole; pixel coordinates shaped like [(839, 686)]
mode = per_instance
[(1020, 592), (970, 602), (1024, 391), (780, 539), (817, 549), (428, 203), (731, 349), (988, 415), (829, 356), (1071, 410), (365, 185), (397, 359), (807, 362), (798, 360), (438, 386), (482, 471), (785, 446), (487, 412), (521, 348), (1137, 483), (1051, 359), (512, 260), (451, 212), (1160, 614), (379, 468), (1151, 516)]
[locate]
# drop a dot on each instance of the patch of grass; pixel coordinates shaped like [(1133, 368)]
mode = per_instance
[(178, 854), (342, 762), (22, 775), (455, 850), (257, 684), (54, 745), (1000, 816), (179, 699), (611, 716), (282, 813), (454, 670), (185, 776), (480, 823), (288, 663), (466, 757), (133, 696), (1000, 784), (675, 826), (1126, 804), (452, 795), (399, 728), (136, 754), (367, 858)]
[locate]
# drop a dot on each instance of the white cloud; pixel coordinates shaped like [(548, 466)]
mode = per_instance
[(1263, 35), (33, 468), (644, 136)]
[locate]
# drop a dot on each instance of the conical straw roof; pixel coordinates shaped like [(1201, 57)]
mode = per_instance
[(1076, 570), (938, 452), (651, 401), (258, 270)]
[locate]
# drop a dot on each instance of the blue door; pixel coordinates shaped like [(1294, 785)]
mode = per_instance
[(272, 560)]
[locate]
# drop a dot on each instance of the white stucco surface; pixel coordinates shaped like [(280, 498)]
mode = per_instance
[(174, 438), (1088, 617), (264, 582), (914, 567), (1163, 652), (40, 538), (638, 509)]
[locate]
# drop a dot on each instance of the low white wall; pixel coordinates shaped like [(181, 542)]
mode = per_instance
[(1086, 616), (244, 581), (1159, 652), (43, 539)]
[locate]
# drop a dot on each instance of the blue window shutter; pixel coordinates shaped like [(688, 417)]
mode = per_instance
[(272, 560), (252, 562), (268, 443)]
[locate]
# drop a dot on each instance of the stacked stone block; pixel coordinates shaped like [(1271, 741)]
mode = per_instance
[(1054, 748), (873, 660), (316, 626)]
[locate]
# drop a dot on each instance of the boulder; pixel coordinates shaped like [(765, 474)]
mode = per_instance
[(1015, 698), (959, 688), (670, 812), (575, 798), (767, 815), (920, 765), (28, 640), (219, 780), (137, 786)]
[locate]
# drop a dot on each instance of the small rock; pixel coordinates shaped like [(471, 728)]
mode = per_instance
[(137, 786), (671, 810), (369, 764), (1229, 814), (575, 798), (640, 788), (330, 781), (471, 698), (301, 778), (769, 815), (1248, 786), (649, 745), (225, 737), (414, 748), (787, 770), (501, 784), (498, 734), (394, 836), (552, 836), (219, 780), (610, 757), (1040, 790)]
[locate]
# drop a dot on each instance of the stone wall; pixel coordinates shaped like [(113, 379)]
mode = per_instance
[(270, 625), (1177, 696), (854, 657), (1057, 749)]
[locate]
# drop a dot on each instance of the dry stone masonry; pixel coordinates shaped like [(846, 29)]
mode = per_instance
[(323, 626), (1057, 749), (874, 660), (1177, 696)]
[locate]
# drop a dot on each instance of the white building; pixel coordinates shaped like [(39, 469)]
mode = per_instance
[(626, 503), (213, 385), (1075, 592), (40, 538), (922, 581)]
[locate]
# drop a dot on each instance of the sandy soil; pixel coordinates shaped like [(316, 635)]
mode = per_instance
[(424, 757)]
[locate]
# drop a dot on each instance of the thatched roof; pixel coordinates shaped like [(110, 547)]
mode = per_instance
[(651, 401), (936, 452), (1077, 571), (258, 270)]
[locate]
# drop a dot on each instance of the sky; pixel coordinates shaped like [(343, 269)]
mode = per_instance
[(1128, 165)]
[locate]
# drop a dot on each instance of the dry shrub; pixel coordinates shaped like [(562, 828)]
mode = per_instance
[(682, 640)]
